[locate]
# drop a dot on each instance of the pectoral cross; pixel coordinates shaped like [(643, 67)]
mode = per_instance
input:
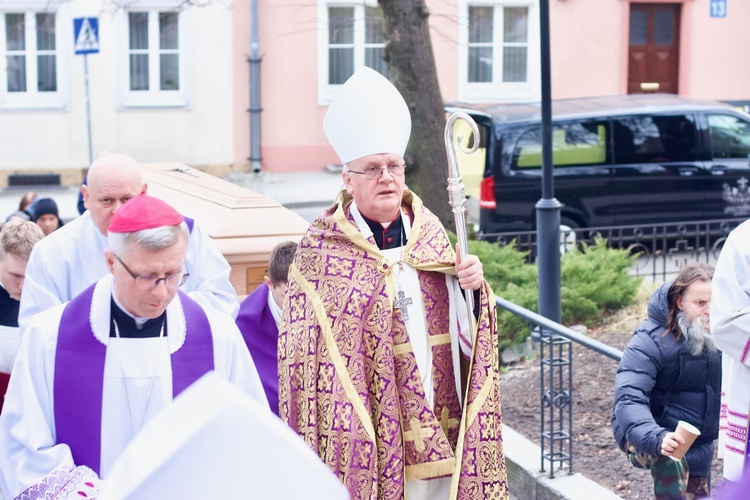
[(401, 303)]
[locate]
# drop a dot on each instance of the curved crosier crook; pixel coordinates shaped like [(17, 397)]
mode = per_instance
[(456, 196)]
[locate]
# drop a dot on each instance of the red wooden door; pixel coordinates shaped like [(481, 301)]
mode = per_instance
[(653, 55)]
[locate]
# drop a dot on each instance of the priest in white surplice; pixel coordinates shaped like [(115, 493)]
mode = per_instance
[(72, 258), (90, 373), (730, 327)]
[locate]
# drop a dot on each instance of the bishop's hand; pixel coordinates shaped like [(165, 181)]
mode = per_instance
[(469, 271)]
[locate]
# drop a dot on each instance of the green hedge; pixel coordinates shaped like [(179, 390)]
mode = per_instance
[(595, 281)]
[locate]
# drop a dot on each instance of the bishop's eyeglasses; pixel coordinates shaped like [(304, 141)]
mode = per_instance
[(374, 172), (146, 282)]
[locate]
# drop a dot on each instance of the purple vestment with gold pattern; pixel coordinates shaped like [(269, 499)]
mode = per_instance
[(348, 377)]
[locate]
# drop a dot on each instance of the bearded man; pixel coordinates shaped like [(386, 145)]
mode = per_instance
[(671, 371)]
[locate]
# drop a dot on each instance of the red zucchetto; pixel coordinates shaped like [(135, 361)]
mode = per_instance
[(143, 212)]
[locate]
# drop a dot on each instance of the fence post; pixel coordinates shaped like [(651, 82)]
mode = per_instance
[(556, 400)]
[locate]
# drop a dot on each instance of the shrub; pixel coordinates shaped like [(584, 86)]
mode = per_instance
[(595, 281)]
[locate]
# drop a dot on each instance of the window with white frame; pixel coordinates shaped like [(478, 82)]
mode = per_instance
[(29, 45), (352, 37), (501, 43), (155, 62)]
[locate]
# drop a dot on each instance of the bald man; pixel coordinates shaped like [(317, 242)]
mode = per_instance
[(72, 258)]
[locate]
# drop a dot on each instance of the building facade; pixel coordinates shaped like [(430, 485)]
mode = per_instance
[(171, 81)]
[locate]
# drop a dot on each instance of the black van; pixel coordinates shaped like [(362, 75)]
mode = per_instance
[(635, 159)]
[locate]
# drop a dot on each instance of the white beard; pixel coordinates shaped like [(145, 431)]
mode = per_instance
[(697, 334)]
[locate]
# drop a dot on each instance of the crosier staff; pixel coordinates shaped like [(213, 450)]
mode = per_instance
[(456, 196)]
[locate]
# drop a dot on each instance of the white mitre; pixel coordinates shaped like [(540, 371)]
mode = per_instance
[(367, 116), (215, 441)]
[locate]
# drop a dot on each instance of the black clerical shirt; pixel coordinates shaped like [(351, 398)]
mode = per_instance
[(8, 309), (128, 329), (391, 237)]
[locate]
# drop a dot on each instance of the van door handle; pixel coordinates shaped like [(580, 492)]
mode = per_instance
[(719, 170), (687, 171)]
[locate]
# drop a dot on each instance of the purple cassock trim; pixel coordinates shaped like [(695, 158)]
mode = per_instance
[(79, 373)]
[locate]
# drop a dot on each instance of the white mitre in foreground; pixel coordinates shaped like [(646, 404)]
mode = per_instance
[(215, 441)]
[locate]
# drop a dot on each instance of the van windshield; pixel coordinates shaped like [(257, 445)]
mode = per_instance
[(730, 136)]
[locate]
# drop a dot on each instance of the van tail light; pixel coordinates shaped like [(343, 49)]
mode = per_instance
[(487, 193)]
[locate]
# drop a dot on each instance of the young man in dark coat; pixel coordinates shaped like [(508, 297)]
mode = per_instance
[(671, 371)]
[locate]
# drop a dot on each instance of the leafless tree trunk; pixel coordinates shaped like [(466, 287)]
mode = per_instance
[(411, 68)]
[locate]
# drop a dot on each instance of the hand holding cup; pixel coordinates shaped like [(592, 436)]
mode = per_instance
[(684, 436), (671, 442)]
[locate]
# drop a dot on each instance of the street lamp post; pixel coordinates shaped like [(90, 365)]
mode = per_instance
[(556, 411)]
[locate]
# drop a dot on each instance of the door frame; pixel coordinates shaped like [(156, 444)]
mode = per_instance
[(683, 72)]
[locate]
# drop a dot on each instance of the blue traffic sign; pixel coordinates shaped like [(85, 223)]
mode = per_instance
[(86, 35), (718, 8)]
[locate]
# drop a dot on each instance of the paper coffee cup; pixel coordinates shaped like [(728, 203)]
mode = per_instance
[(689, 433)]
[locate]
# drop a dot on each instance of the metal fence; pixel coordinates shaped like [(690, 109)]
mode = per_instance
[(556, 382), (662, 249)]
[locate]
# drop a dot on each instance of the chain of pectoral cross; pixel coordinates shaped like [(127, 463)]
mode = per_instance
[(402, 301)]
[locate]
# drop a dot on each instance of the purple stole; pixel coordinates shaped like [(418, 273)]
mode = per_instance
[(189, 223), (79, 373), (261, 335)]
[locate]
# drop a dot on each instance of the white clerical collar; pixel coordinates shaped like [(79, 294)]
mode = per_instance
[(274, 307), (364, 228), (139, 322)]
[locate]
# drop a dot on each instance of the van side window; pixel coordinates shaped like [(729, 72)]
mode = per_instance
[(574, 144), (730, 136), (655, 139)]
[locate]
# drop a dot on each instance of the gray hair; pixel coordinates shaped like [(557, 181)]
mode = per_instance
[(151, 240)]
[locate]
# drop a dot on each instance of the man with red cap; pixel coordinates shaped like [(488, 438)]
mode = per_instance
[(72, 258), (91, 373)]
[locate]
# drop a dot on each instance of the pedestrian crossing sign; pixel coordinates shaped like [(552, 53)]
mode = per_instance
[(86, 35)]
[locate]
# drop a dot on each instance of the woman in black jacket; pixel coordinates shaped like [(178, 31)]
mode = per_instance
[(671, 371)]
